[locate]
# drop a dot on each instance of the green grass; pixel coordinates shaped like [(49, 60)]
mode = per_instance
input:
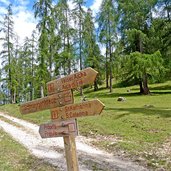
[(141, 123), (14, 157), (37, 118)]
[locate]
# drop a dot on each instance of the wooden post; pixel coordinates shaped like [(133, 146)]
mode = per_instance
[(71, 154), (60, 93)]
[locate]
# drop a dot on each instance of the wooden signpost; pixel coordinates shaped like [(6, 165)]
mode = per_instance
[(87, 108), (63, 112), (59, 129), (56, 100), (78, 79)]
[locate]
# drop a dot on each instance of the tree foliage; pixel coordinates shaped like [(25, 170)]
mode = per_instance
[(134, 34), (107, 20)]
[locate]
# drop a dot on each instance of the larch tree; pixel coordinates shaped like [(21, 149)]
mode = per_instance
[(91, 49), (7, 53), (136, 18), (42, 11), (162, 29), (66, 32), (79, 15), (144, 66), (107, 21), (27, 65)]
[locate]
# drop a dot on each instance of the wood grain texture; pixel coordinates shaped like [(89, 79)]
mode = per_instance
[(71, 154), (56, 100), (59, 129), (78, 79), (87, 108)]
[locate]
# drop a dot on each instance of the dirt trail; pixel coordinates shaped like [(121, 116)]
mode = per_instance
[(52, 149)]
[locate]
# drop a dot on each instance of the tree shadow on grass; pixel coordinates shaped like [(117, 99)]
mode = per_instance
[(164, 87), (160, 93), (113, 95), (100, 94), (162, 112), (159, 87)]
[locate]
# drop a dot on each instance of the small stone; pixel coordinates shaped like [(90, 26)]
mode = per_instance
[(121, 99), (148, 106)]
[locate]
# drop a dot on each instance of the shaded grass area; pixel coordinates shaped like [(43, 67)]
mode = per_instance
[(141, 123), (14, 157)]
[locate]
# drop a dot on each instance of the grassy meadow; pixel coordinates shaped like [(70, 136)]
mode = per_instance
[(140, 126)]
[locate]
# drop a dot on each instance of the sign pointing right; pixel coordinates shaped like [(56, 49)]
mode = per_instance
[(88, 108), (75, 80)]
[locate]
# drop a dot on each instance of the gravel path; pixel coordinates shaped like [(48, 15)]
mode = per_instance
[(52, 149)]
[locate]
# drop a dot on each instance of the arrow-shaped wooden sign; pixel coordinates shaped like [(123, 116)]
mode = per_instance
[(48, 102), (87, 108), (78, 79), (59, 129)]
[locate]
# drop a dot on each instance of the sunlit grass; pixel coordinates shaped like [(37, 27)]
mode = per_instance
[(138, 121)]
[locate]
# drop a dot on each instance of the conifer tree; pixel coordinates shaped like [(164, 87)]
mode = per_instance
[(42, 11), (66, 32), (7, 53), (108, 20), (136, 17), (79, 15), (144, 66), (90, 47)]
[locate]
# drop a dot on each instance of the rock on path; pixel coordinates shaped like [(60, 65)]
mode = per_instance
[(52, 149)]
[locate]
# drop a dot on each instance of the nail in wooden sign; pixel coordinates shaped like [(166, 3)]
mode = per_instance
[(78, 79), (56, 100), (88, 108), (59, 129)]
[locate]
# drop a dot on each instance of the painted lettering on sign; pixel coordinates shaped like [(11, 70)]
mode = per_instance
[(78, 79), (88, 108), (58, 129), (48, 102)]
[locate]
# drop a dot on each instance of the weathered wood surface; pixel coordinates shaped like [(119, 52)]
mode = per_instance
[(87, 108), (59, 129), (71, 153), (78, 79), (56, 100)]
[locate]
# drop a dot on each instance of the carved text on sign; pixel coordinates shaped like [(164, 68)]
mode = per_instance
[(78, 79), (88, 108), (58, 129), (48, 102)]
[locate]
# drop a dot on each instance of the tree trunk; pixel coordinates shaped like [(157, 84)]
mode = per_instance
[(141, 87), (31, 91), (107, 75), (110, 53), (111, 80), (145, 85), (95, 85), (32, 70), (68, 44), (14, 98), (41, 91), (50, 62)]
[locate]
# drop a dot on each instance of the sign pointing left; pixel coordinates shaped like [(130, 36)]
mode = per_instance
[(56, 100)]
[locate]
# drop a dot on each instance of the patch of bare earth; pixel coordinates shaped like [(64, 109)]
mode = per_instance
[(157, 157), (161, 156), (52, 149)]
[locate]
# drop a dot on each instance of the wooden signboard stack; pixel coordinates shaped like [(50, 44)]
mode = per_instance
[(64, 112)]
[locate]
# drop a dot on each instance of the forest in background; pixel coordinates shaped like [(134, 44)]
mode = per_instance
[(135, 34)]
